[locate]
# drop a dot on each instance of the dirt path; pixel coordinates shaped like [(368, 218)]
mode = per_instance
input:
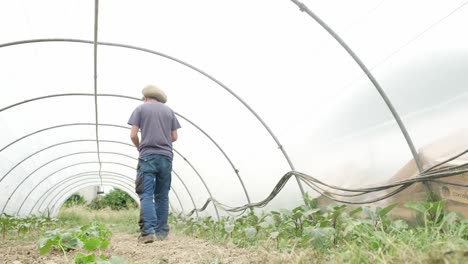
[(177, 249)]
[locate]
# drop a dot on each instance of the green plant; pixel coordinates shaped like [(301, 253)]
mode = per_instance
[(74, 200), (7, 222), (118, 200), (91, 258), (97, 203), (361, 235), (24, 225), (92, 237), (430, 212), (115, 199)]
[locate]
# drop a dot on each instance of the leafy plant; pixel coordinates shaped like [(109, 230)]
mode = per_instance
[(24, 225), (431, 212), (81, 258), (93, 237), (118, 200), (6, 223), (115, 199), (74, 200), (364, 232), (97, 203)]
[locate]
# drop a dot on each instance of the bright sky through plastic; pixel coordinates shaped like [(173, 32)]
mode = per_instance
[(306, 88)]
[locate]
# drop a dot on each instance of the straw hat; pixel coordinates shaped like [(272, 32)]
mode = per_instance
[(154, 92)]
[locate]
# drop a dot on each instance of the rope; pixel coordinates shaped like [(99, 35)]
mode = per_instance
[(431, 175)]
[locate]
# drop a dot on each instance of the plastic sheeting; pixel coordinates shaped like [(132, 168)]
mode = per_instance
[(226, 66)]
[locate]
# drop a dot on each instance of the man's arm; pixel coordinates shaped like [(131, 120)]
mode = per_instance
[(134, 136), (174, 135)]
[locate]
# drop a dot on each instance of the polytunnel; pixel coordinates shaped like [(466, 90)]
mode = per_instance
[(357, 101)]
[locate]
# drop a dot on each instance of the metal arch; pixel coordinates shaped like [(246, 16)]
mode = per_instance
[(73, 154), (42, 130), (270, 132), (82, 186), (134, 98), (58, 144), (66, 193), (224, 154), (52, 174), (130, 187), (66, 167), (62, 143), (44, 196), (363, 67), (119, 126), (86, 152), (175, 193), (185, 186), (103, 162), (201, 178), (172, 207), (49, 191), (14, 191), (68, 155), (61, 200), (55, 208)]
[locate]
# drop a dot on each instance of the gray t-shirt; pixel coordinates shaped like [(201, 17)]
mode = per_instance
[(156, 122)]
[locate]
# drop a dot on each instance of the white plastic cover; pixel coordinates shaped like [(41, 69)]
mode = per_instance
[(219, 63)]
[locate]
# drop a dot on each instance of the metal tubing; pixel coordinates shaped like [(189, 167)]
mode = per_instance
[(58, 144), (175, 193), (377, 86), (47, 193), (188, 191), (201, 178), (270, 132), (130, 189), (63, 198), (14, 191), (224, 154), (44, 196), (127, 97), (95, 45), (42, 130), (66, 167), (69, 183), (68, 155), (54, 206), (72, 154)]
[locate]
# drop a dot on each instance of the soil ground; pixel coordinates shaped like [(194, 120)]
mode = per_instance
[(176, 249)]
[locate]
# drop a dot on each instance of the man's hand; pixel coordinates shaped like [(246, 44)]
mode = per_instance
[(134, 136), (174, 135)]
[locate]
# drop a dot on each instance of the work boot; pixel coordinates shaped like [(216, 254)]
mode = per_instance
[(145, 239), (161, 237)]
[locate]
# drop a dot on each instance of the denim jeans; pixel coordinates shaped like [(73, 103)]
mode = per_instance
[(152, 186)]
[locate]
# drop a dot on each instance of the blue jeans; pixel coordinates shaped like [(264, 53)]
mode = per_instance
[(152, 186)]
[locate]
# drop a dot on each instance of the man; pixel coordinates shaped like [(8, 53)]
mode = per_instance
[(158, 125)]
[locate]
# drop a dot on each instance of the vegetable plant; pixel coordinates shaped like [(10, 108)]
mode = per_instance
[(92, 238)]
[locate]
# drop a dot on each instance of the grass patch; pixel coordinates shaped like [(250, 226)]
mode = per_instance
[(125, 221)]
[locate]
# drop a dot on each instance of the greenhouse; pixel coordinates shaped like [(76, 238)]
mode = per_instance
[(285, 107)]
